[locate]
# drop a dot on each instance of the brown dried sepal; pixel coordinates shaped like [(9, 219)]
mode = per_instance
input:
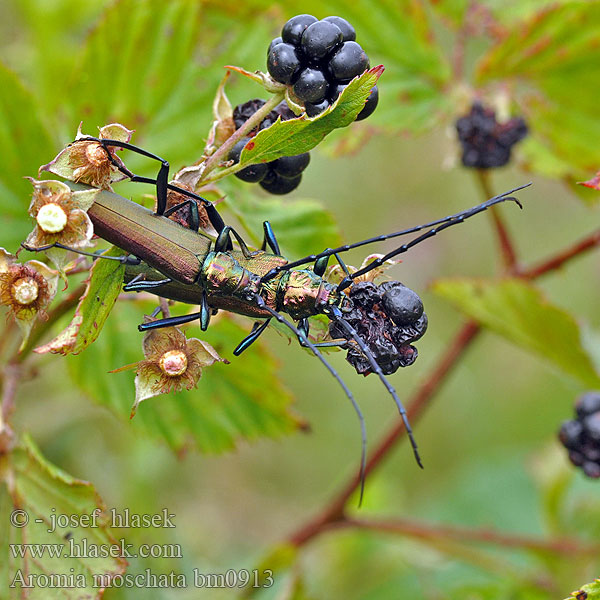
[(172, 363), (26, 289), (87, 161), (335, 273), (183, 214)]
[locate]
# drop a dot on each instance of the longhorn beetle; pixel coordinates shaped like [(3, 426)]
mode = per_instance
[(186, 264)]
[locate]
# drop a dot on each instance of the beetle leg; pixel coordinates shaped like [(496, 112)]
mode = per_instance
[(194, 216), (223, 243), (270, 239), (204, 312), (257, 330), (169, 322), (140, 286), (161, 182)]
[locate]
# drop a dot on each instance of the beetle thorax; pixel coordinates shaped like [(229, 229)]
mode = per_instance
[(302, 294), (223, 275)]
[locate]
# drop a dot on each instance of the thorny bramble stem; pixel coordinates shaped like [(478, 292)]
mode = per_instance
[(223, 151)]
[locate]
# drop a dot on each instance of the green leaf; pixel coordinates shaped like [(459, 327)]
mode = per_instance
[(519, 312), (103, 289), (39, 490), (242, 400), (295, 136), (553, 61), (302, 226), (160, 78), (132, 76), (25, 143), (591, 589)]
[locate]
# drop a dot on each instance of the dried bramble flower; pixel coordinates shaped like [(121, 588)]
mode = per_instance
[(172, 363), (27, 289), (87, 161), (60, 215)]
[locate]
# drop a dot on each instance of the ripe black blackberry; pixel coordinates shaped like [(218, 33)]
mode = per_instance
[(315, 58), (280, 176), (388, 317), (485, 142), (581, 436)]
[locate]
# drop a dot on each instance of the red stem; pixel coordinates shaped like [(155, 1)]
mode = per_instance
[(507, 248), (426, 531), (334, 514), (335, 511), (558, 260)]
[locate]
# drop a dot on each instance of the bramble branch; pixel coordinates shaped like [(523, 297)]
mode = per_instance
[(334, 513), (425, 531), (587, 243), (507, 248)]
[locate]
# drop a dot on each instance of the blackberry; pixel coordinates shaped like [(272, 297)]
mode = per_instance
[(282, 110), (348, 62), (389, 342), (319, 39), (283, 63), (242, 112), (274, 42), (348, 33), (311, 85), (485, 142), (312, 110), (292, 31), (276, 184), (291, 166), (587, 404), (335, 90), (280, 176), (581, 436), (401, 304), (252, 173), (318, 58), (370, 104)]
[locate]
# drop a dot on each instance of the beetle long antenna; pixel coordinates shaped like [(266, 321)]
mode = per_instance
[(446, 221), (338, 318), (363, 432), (126, 260)]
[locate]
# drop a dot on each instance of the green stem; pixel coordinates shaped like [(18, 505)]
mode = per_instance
[(252, 123)]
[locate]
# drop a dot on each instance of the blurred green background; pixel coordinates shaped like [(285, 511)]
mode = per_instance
[(488, 441)]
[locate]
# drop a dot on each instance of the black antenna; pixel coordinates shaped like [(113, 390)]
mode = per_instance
[(363, 455), (446, 221)]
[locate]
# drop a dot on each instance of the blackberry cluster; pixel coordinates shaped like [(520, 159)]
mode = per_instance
[(581, 436), (388, 317), (318, 59), (280, 176), (485, 142)]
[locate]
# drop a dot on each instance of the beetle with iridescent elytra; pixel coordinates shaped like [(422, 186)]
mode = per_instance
[(186, 264)]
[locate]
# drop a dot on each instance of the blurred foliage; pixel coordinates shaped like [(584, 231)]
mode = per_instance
[(516, 310), (155, 67)]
